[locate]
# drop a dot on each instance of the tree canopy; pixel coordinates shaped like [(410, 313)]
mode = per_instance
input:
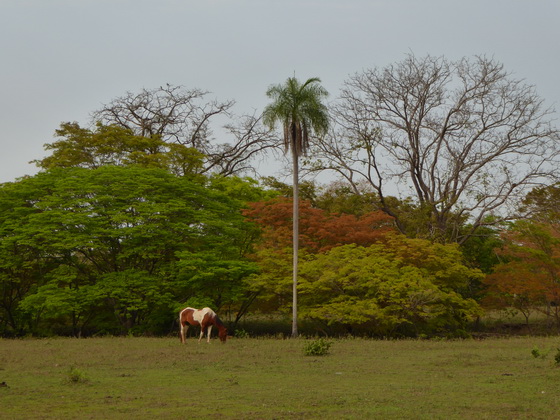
[(118, 146), (398, 286), (118, 244), (445, 196)]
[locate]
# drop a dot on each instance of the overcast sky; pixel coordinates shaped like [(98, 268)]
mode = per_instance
[(62, 59)]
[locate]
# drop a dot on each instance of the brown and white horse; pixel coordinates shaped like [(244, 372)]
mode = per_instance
[(206, 318)]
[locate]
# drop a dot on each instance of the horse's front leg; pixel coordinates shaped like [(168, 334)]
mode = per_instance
[(208, 334), (201, 334)]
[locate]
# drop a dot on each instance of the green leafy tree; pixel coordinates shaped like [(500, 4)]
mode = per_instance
[(117, 146), (218, 277), (135, 297), (22, 266), (341, 197), (308, 190), (300, 110), (63, 298), (110, 241), (543, 204)]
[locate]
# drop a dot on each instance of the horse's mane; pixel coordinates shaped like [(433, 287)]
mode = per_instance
[(218, 321)]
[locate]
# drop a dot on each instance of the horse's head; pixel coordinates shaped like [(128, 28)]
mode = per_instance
[(222, 333)]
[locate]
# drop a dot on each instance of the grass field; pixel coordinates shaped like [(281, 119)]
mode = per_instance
[(146, 378)]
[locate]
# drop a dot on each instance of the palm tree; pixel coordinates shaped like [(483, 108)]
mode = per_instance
[(300, 110)]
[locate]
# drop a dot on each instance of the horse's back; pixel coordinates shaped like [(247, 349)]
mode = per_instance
[(197, 316), (208, 311)]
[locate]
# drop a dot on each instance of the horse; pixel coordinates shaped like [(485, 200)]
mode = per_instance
[(206, 318)]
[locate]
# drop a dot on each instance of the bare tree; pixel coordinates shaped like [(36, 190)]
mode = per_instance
[(183, 116), (464, 139), (250, 138)]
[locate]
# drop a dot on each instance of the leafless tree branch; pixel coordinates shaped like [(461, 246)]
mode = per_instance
[(185, 117), (465, 137)]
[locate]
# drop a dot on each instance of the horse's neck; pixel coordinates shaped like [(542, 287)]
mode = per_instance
[(218, 323)]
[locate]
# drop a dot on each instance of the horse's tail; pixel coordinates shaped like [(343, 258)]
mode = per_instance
[(182, 328), (181, 316)]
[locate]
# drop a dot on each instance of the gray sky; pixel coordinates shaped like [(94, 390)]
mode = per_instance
[(61, 59)]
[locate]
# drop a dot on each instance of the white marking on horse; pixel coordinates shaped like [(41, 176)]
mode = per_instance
[(199, 314)]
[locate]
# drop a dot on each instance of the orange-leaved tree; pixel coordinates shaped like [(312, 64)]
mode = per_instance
[(529, 278), (319, 232)]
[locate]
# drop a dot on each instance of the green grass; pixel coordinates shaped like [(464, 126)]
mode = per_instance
[(145, 378)]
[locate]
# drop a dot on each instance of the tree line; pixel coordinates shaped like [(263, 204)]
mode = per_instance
[(444, 203)]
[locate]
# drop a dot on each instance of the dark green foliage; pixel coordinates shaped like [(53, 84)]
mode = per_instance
[(241, 333), (480, 250)]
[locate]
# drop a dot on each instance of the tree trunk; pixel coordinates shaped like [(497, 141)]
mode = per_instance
[(295, 239)]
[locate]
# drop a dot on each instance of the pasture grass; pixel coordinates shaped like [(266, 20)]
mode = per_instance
[(271, 378)]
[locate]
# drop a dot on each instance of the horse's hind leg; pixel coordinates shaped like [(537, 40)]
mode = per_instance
[(184, 329)]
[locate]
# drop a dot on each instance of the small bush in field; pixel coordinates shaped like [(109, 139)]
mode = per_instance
[(318, 347), (538, 353), (76, 376)]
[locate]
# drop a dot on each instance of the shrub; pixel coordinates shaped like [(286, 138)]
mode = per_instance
[(318, 347), (76, 376), (538, 353), (557, 357)]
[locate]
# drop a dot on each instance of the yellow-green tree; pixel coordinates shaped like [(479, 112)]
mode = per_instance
[(400, 286), (117, 146)]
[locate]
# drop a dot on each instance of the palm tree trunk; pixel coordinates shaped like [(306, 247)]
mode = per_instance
[(295, 239)]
